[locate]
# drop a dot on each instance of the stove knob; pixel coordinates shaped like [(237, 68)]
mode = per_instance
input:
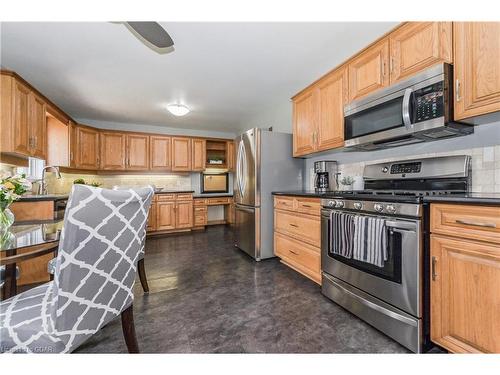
[(339, 204), (385, 170), (378, 207), (390, 208), (358, 205), (331, 204)]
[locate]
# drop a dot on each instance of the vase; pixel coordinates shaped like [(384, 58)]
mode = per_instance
[(6, 220)]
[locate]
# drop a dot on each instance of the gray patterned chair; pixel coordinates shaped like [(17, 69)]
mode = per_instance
[(96, 266)]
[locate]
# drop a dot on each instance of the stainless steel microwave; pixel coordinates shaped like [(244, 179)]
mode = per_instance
[(214, 183), (414, 110)]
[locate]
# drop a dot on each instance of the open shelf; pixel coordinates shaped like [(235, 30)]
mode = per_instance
[(216, 150)]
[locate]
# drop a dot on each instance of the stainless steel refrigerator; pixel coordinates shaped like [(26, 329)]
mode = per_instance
[(264, 164)]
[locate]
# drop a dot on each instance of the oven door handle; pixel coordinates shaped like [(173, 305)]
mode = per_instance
[(405, 109), (401, 225)]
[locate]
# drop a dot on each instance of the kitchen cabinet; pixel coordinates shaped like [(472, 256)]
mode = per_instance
[(181, 154), (318, 118), (465, 278), (161, 156), (73, 132), (231, 156), (305, 122), (476, 68), (137, 150), (21, 115), (184, 214), (418, 45), (199, 155), (87, 148), (151, 223), (200, 216), (297, 234), (38, 126), (165, 215), (369, 70), (113, 146)]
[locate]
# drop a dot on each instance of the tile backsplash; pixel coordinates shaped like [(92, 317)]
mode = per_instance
[(485, 167)]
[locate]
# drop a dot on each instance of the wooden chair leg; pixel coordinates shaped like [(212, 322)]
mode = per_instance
[(142, 275), (129, 330)]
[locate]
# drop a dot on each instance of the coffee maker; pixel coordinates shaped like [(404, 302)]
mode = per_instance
[(325, 176)]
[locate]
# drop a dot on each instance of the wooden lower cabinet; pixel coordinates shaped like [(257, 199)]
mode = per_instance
[(184, 214), (297, 234), (200, 214), (165, 215), (465, 285), (170, 213)]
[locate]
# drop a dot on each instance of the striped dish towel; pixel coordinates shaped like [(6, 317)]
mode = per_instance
[(342, 232), (370, 240)]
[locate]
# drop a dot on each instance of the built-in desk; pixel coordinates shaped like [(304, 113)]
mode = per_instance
[(201, 205)]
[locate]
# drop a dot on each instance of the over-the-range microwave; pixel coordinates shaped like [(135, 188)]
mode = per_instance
[(417, 109)]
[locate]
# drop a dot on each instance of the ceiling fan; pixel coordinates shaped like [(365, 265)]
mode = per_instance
[(152, 34)]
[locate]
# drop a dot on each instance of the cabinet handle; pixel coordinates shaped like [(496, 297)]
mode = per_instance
[(293, 252), (457, 90), (294, 225), (475, 224), (383, 68), (306, 205), (391, 64), (433, 268)]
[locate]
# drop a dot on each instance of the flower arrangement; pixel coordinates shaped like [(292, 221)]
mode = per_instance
[(11, 189), (83, 182)]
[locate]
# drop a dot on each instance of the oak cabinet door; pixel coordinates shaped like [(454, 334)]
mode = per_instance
[(199, 154), (38, 126), (369, 71), (22, 137), (161, 154), (151, 224), (465, 297), (137, 152), (112, 151), (476, 68), (332, 97), (304, 122), (231, 156), (181, 154), (418, 45), (165, 215), (184, 215), (87, 148)]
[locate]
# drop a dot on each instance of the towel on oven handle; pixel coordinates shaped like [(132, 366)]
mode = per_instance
[(342, 233), (370, 240)]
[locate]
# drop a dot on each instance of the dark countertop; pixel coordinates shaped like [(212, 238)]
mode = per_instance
[(470, 198), (174, 192), (26, 235), (213, 195), (304, 193), (46, 197)]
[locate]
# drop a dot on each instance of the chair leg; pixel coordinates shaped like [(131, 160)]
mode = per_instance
[(142, 275), (129, 330)]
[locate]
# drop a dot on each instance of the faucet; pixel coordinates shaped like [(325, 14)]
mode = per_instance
[(42, 187)]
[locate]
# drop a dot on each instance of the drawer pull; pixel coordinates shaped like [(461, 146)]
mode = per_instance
[(294, 225), (293, 252), (475, 224), (434, 260), (306, 205)]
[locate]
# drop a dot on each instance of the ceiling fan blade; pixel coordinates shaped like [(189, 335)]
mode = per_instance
[(153, 33)]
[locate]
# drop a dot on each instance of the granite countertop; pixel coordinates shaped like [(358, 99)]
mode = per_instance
[(174, 191), (470, 198), (305, 193), (25, 235), (213, 195), (46, 197)]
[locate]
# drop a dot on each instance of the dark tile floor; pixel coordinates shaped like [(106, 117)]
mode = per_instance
[(209, 297)]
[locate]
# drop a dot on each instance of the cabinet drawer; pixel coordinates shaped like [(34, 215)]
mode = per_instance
[(305, 258), (310, 206), (284, 203), (466, 221), (184, 197), (166, 197), (303, 227), (216, 201), (200, 202), (200, 209)]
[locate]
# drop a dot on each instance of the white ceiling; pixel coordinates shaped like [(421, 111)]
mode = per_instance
[(227, 73)]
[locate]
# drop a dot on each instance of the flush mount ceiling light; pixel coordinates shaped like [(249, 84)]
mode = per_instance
[(178, 109)]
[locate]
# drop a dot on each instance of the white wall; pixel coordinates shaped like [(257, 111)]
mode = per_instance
[(279, 117), (160, 129)]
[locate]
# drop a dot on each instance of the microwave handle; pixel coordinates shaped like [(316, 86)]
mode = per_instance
[(406, 109)]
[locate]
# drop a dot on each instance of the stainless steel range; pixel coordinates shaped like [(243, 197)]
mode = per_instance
[(372, 241)]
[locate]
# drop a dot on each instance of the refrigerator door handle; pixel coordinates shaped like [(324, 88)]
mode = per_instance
[(243, 169), (239, 168)]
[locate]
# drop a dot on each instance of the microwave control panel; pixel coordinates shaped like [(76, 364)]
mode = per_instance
[(429, 102)]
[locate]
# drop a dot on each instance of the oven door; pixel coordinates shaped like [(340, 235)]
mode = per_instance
[(398, 282)]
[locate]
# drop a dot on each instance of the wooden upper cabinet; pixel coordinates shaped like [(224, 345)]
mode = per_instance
[(161, 153), (305, 122), (113, 146), (418, 45), (199, 154), (369, 71), (465, 297), (21, 117), (87, 148), (181, 154), (38, 126), (476, 68), (73, 132), (184, 214), (137, 152), (231, 156), (332, 94)]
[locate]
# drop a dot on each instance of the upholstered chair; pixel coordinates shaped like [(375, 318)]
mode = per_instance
[(101, 243)]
